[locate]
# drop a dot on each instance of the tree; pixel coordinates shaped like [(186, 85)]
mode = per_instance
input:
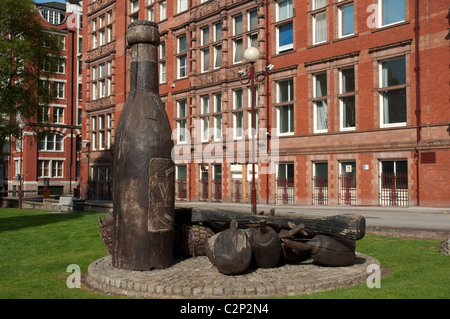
[(28, 54)]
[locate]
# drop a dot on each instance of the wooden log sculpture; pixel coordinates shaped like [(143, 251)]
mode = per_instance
[(266, 246), (351, 226), (230, 250), (327, 250), (193, 239)]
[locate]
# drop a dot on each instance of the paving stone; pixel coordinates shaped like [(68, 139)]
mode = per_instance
[(196, 278)]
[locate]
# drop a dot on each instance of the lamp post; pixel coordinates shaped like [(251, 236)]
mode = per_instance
[(21, 127), (251, 55)]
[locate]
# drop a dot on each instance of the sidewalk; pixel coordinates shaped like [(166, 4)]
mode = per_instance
[(416, 222)]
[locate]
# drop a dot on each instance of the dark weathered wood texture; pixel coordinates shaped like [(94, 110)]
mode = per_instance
[(266, 246), (231, 251), (143, 168), (350, 226)]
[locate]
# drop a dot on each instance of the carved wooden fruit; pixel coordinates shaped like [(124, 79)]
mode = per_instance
[(230, 250), (327, 250), (266, 246), (193, 239), (333, 250)]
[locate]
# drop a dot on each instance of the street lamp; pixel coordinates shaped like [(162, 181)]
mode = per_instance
[(21, 127), (251, 55)]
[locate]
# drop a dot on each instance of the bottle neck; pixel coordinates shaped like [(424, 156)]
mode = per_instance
[(144, 68)]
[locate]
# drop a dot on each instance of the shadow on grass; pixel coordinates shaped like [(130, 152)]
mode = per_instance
[(25, 221)]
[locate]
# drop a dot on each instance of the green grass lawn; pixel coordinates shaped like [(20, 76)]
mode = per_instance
[(36, 248)]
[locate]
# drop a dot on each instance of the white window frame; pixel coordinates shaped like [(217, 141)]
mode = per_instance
[(341, 19), (182, 6), (341, 100), (380, 15), (319, 99), (285, 104), (381, 93)]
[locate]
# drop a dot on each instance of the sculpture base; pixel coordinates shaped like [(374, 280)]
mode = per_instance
[(198, 278)]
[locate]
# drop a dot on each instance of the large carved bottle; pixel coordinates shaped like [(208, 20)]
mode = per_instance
[(143, 168)]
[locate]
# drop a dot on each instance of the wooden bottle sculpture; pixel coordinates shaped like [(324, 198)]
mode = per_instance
[(143, 169), (266, 246)]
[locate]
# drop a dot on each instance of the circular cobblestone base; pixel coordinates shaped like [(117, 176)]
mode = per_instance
[(198, 278)]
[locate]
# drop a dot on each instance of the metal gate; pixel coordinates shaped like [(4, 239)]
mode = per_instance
[(216, 190), (285, 191), (180, 190), (347, 189), (320, 190), (236, 190), (394, 189)]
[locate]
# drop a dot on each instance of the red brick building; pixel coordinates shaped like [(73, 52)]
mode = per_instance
[(355, 110), (52, 160)]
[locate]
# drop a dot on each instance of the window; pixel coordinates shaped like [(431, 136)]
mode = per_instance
[(253, 20), (162, 72), (285, 35), (205, 36), (391, 11), (205, 60), (346, 20), (151, 13), (58, 115), (217, 117), (182, 57), (102, 80), (238, 114), (238, 50), (102, 30), (182, 66), (347, 98), (182, 118), (393, 92), (205, 117), (237, 23), (162, 10), (58, 90), (101, 131), (218, 31), (134, 6), (51, 142), (162, 62), (50, 168), (182, 5), (217, 56), (320, 103), (319, 21), (285, 106)]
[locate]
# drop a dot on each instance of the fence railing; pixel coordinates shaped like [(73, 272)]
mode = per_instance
[(285, 191), (394, 189), (347, 189), (320, 190)]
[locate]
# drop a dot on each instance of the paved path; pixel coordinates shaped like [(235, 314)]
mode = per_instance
[(198, 278)]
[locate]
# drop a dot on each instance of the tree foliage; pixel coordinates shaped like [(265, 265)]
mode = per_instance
[(25, 46)]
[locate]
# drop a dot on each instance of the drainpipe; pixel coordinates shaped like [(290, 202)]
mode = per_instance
[(418, 110)]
